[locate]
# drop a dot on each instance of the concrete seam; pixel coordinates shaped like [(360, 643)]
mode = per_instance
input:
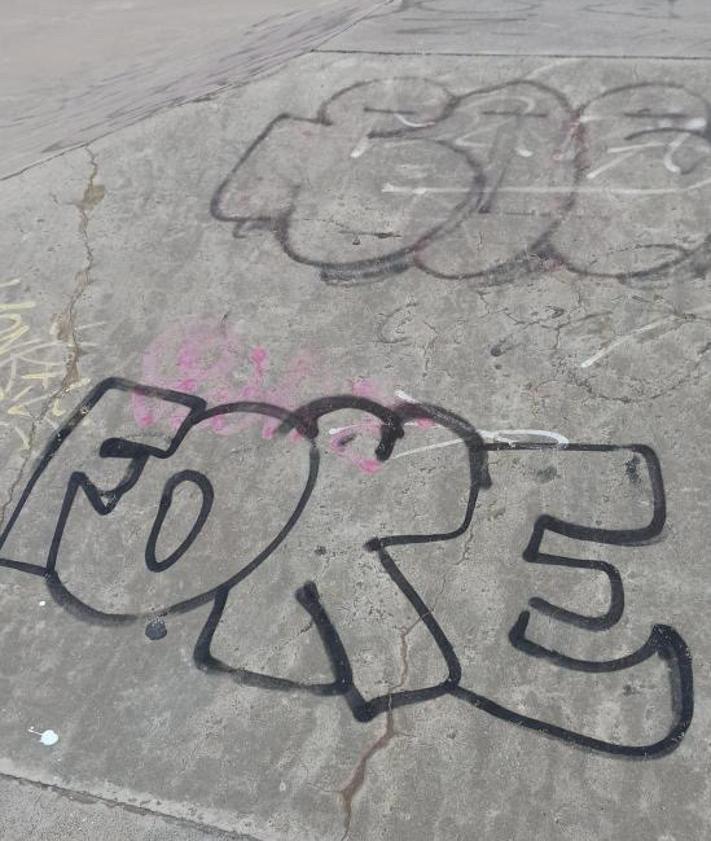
[(88, 797), (508, 55)]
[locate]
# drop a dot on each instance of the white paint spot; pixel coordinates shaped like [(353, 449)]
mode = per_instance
[(524, 153), (282, 786), (47, 737), (42, 603)]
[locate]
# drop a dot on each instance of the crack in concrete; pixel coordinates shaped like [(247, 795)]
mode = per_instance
[(428, 350), (468, 540), (20, 473), (64, 322), (357, 779), (65, 327)]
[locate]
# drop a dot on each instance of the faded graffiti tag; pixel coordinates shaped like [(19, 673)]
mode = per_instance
[(471, 185)]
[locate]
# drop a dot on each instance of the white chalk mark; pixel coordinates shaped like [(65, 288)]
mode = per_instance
[(645, 328), (603, 352), (361, 147), (20, 394), (337, 430), (412, 124), (47, 737), (668, 162), (623, 153), (511, 437), (406, 398), (674, 146), (92, 324), (21, 435), (524, 436), (607, 190), (20, 305), (422, 191), (13, 281), (448, 443), (524, 153)]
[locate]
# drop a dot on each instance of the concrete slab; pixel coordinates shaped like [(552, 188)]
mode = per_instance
[(623, 28), (32, 811), (75, 72), (465, 596)]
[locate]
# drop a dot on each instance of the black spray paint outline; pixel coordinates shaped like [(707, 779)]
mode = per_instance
[(104, 501), (686, 254), (527, 259), (378, 268), (663, 640)]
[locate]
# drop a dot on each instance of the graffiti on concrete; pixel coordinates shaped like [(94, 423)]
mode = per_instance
[(150, 490), (33, 368), (483, 185)]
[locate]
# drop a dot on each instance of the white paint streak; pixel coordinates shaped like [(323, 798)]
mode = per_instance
[(361, 147), (412, 124), (645, 328), (524, 436), (437, 446), (511, 437), (607, 190), (92, 325), (404, 396), (695, 124), (337, 430)]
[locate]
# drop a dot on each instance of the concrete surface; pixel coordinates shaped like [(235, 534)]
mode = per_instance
[(261, 623), (622, 28), (72, 72), (52, 814)]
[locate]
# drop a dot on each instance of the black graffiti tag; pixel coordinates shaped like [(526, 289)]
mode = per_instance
[(303, 424)]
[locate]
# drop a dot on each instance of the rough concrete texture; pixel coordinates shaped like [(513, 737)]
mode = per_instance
[(466, 597)]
